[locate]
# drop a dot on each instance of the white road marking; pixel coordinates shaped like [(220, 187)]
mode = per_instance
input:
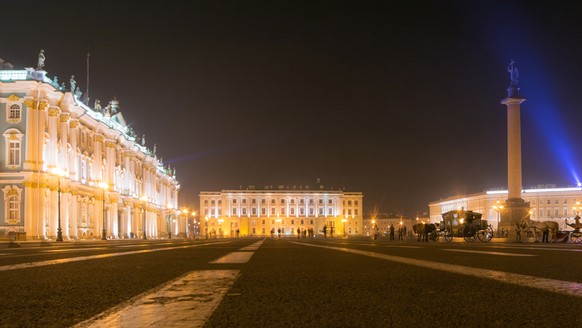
[(239, 257), (234, 257), (557, 286), (253, 247), (489, 253), (93, 257), (187, 301), (64, 250)]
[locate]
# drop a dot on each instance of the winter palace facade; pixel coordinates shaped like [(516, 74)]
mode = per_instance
[(261, 212), (68, 171)]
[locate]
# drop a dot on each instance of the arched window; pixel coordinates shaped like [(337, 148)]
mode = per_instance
[(14, 114), (13, 146), (12, 203)]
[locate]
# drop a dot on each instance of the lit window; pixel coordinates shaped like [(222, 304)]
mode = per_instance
[(14, 114), (12, 202), (13, 144)]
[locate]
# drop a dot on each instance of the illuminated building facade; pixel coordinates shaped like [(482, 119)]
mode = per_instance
[(68, 171), (260, 212), (555, 204)]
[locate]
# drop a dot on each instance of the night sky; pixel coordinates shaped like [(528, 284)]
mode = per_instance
[(397, 100)]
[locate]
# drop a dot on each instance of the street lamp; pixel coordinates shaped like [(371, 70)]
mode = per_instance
[(104, 186), (344, 221), (60, 173), (144, 199)]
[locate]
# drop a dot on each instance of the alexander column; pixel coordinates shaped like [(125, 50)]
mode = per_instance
[(516, 209)]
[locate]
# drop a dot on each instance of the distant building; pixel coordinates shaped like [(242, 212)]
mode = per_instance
[(382, 222), (66, 165), (546, 203), (258, 212)]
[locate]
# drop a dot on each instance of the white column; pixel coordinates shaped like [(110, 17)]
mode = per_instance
[(74, 217), (513, 147), (53, 118), (97, 167), (53, 215), (29, 216), (31, 144), (63, 161), (73, 158)]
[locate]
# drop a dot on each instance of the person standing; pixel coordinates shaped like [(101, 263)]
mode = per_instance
[(391, 232), (298, 233)]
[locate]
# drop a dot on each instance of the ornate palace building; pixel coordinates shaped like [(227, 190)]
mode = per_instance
[(261, 212), (68, 171), (546, 203)]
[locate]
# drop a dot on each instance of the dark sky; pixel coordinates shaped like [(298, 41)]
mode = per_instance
[(397, 100)]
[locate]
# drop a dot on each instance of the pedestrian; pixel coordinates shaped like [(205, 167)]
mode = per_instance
[(272, 232), (279, 232), (404, 230), (298, 233), (331, 231), (517, 233), (304, 233), (237, 233), (391, 232), (324, 231), (545, 235)]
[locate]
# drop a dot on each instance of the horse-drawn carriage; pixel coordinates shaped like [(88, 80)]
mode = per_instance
[(466, 224)]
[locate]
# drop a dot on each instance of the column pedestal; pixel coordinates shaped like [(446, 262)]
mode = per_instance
[(513, 213)]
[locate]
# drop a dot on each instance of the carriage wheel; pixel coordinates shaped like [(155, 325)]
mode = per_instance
[(576, 237), (530, 236), (448, 237), (436, 236), (470, 239), (485, 235), (470, 234)]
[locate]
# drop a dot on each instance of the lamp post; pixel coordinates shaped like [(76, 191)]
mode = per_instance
[(195, 227), (577, 208), (60, 173), (144, 199), (104, 186), (344, 221), (498, 208)]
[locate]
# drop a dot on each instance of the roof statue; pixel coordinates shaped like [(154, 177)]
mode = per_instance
[(41, 59), (143, 140), (97, 106), (55, 82), (73, 83), (513, 90)]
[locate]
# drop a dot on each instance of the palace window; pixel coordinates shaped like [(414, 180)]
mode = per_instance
[(254, 211), (321, 201), (329, 211), (12, 201), (234, 211), (14, 114), (244, 211), (263, 211), (329, 201), (13, 145), (292, 211), (234, 201)]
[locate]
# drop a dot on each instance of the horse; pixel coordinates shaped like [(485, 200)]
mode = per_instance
[(576, 225), (550, 226), (424, 230)]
